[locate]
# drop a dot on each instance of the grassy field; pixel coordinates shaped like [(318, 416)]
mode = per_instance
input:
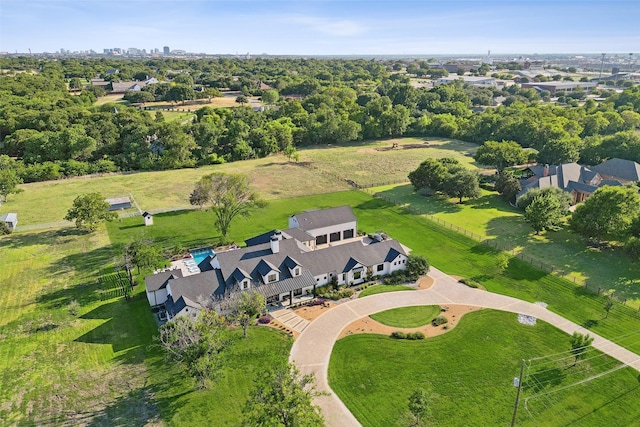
[(274, 177), (408, 317), (471, 368), (380, 289), (492, 218), (57, 368), (176, 116), (375, 162), (115, 98)]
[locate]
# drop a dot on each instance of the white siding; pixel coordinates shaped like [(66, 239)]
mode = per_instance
[(157, 297)]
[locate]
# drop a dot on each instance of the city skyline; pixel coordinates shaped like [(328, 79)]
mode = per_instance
[(321, 27)]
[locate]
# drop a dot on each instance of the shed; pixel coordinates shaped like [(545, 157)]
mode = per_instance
[(119, 203), (11, 219), (148, 218)]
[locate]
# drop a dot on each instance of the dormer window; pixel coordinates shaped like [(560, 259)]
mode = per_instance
[(296, 272), (244, 285), (271, 278)]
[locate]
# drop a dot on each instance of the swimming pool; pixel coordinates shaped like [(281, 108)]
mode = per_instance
[(201, 253)]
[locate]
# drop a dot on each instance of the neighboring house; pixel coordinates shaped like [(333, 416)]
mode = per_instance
[(11, 219), (478, 81), (112, 71), (558, 87), (263, 86), (284, 265), (122, 87), (105, 84), (580, 181)]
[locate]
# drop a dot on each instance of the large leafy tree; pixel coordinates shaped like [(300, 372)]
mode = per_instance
[(608, 214), (141, 253), (429, 175), (89, 210), (282, 397), (196, 344), (500, 154), (462, 182), (563, 197), (9, 181), (507, 185), (230, 196), (544, 213)]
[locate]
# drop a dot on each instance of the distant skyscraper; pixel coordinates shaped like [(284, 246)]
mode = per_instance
[(166, 50)]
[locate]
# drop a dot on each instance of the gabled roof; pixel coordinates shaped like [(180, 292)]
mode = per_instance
[(264, 267), (619, 168), (205, 264), (304, 280), (146, 214), (310, 220), (9, 217), (159, 281), (196, 287), (290, 263)]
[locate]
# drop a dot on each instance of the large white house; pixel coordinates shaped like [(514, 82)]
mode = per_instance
[(319, 248)]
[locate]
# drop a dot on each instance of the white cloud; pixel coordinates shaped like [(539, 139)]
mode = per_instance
[(330, 27)]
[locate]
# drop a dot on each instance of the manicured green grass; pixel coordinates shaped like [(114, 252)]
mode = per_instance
[(176, 116), (492, 218), (408, 317), (221, 405), (380, 289), (61, 369), (469, 372), (374, 162)]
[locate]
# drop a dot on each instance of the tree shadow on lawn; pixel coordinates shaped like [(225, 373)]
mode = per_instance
[(59, 236), (123, 329), (419, 201), (544, 378)]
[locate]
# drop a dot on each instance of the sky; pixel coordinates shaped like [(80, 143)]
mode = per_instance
[(323, 27)]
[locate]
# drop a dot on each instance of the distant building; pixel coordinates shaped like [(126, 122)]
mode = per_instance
[(118, 203), (166, 50), (11, 219), (559, 87), (473, 81)]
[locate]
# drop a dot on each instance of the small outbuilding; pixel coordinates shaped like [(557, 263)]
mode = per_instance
[(11, 219), (119, 203), (148, 218)]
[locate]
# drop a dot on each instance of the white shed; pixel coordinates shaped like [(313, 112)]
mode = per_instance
[(11, 219), (148, 218)]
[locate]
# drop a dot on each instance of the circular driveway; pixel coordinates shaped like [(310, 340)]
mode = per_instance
[(312, 350)]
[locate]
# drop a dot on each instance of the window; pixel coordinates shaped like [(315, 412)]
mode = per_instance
[(380, 267), (321, 240), (245, 284), (296, 272), (344, 277), (334, 237), (271, 278), (297, 292), (347, 234), (357, 275)]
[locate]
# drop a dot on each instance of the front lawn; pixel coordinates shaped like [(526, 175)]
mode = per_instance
[(408, 317), (469, 373), (380, 289)]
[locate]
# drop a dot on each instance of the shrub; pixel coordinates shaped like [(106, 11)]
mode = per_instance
[(318, 301), (399, 335), (415, 336), (73, 308), (470, 283), (440, 320), (264, 320), (4, 228)]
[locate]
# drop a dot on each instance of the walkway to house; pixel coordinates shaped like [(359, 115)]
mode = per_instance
[(312, 349), (290, 319)]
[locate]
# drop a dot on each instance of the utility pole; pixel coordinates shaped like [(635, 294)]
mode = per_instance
[(515, 407), (601, 67)]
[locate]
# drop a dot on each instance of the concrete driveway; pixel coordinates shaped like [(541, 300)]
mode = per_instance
[(312, 350)]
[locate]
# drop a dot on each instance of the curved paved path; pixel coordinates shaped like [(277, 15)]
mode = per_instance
[(312, 350)]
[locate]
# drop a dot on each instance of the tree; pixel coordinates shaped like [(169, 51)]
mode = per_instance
[(142, 253), (462, 182), (242, 100), (179, 93), (419, 405), (89, 210), (197, 344), (507, 185), (579, 345), (4, 228), (430, 174), (291, 153), (500, 154), (270, 97), (544, 213), (230, 196), (283, 397), (417, 265), (246, 307), (9, 181), (608, 304), (557, 151), (563, 197), (608, 214), (198, 197)]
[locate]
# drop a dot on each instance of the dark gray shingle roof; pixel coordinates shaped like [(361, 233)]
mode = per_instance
[(159, 281), (310, 220), (619, 168)]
